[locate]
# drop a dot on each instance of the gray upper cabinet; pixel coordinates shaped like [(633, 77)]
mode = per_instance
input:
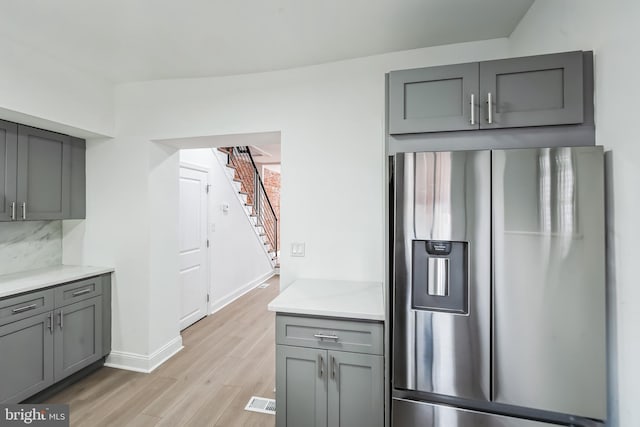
[(532, 91), (8, 156), (434, 99), (519, 92), (78, 179), (26, 359), (44, 174), (78, 336), (356, 395)]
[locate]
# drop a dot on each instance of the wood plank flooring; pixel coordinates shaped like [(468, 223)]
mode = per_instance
[(227, 358)]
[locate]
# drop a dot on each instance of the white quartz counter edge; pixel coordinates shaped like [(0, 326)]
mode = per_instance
[(332, 298), (26, 281)]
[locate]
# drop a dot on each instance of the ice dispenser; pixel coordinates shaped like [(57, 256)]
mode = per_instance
[(440, 276)]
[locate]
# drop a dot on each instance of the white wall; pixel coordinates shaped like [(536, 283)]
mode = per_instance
[(611, 30), (41, 91), (116, 233), (238, 260), (330, 114)]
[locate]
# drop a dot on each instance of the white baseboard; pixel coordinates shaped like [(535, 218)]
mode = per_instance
[(229, 298), (143, 363)]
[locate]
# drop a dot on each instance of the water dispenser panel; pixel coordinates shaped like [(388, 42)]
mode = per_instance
[(440, 276)]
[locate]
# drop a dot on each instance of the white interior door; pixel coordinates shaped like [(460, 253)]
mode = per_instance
[(193, 246)]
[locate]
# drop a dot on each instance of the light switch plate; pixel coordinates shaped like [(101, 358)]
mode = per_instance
[(297, 249)]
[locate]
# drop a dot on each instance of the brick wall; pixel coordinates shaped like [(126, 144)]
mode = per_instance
[(271, 181)]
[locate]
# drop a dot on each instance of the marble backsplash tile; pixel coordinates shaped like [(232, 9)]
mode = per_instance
[(27, 245)]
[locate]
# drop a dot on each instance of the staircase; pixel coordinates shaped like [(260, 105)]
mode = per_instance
[(243, 173)]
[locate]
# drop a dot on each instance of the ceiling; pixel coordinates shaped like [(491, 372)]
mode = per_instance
[(134, 40), (266, 154)]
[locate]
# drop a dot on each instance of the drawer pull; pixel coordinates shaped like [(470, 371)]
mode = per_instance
[(81, 292), (320, 366), (322, 337), (23, 309)]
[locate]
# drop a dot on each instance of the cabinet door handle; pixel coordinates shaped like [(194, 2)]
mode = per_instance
[(13, 211), (23, 309), (473, 109), (81, 292), (60, 321), (320, 365), (489, 109), (51, 322), (333, 367), (24, 210), (326, 337)]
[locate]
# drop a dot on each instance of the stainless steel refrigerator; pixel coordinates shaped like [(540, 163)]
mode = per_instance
[(499, 288)]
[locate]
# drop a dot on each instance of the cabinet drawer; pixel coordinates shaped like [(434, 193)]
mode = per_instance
[(78, 291), (332, 334), (20, 307)]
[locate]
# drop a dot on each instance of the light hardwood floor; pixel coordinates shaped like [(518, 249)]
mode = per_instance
[(227, 358)]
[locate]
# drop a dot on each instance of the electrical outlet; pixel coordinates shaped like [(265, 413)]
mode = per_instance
[(297, 249)]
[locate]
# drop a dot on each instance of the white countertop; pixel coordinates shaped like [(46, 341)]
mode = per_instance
[(25, 281), (333, 298)]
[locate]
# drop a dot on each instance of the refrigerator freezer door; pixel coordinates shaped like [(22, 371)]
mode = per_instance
[(549, 280), (408, 413), (441, 327)]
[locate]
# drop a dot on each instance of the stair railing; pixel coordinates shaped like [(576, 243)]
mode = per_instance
[(252, 186)]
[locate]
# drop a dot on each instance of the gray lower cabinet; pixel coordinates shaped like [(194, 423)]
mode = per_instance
[(47, 335), (42, 173), (517, 92), (318, 383), (355, 389), (301, 387), (26, 362), (78, 338)]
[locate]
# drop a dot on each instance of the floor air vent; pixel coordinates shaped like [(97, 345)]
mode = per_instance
[(261, 404)]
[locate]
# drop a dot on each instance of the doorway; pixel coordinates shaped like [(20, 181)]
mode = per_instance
[(193, 241)]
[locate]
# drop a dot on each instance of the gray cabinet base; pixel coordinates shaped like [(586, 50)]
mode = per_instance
[(56, 388)]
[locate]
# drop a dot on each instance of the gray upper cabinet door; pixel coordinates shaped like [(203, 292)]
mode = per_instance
[(78, 179), (532, 91), (78, 336), (8, 164), (44, 174), (301, 387), (356, 392), (26, 365), (434, 99)]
